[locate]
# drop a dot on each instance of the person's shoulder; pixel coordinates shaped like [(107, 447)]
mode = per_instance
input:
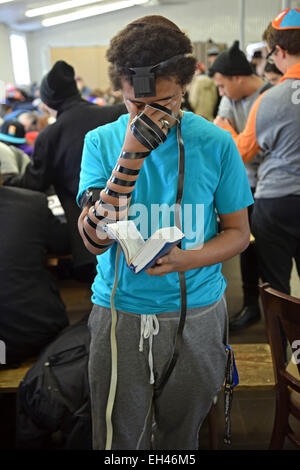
[(106, 111), (5, 150), (34, 198), (46, 133), (278, 96), (264, 87), (115, 109), (110, 113), (205, 130), (228, 102), (109, 129), (18, 152)]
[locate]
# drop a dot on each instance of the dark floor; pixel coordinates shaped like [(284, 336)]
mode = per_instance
[(252, 412)]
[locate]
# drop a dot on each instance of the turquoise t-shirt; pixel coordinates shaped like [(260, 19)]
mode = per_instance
[(215, 181)]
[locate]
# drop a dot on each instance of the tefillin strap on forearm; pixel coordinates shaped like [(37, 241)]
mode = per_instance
[(118, 180), (108, 207), (126, 171), (165, 110), (116, 194), (94, 244), (147, 132), (131, 156)]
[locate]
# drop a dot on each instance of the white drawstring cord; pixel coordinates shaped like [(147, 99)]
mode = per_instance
[(149, 328)]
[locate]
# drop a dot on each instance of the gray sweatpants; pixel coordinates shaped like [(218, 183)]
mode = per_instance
[(173, 419)]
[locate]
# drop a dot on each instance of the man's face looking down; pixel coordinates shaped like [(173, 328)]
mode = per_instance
[(168, 93)]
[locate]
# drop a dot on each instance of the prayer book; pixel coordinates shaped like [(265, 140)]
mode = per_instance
[(140, 254)]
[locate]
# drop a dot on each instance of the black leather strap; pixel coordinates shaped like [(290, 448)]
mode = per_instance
[(95, 226), (96, 245), (180, 181), (117, 209), (228, 396), (165, 110), (153, 126), (112, 193), (89, 197), (133, 155), (115, 180), (126, 171), (144, 135), (91, 223), (106, 206), (178, 340)]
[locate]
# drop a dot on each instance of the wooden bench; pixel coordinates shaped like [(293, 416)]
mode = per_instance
[(10, 379), (254, 364)]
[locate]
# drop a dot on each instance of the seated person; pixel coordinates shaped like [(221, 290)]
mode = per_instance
[(32, 312), (12, 161), (12, 132)]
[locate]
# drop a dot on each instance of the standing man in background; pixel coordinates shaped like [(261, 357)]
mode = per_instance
[(239, 88), (57, 153), (273, 127)]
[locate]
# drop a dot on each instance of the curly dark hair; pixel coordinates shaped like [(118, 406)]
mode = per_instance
[(149, 41), (288, 39)]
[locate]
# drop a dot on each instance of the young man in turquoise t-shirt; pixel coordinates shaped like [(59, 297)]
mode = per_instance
[(138, 164)]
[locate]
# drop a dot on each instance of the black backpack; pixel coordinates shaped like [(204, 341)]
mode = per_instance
[(53, 400)]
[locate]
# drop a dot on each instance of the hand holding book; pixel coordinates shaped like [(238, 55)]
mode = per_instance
[(172, 262), (141, 255)]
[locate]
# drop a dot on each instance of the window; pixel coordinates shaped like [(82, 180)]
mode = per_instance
[(20, 59)]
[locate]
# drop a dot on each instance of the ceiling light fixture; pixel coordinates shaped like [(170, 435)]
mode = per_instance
[(54, 7), (88, 12)]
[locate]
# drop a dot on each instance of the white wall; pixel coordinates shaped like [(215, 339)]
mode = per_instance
[(6, 68), (201, 19)]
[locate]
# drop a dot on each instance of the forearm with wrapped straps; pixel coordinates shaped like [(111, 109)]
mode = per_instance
[(115, 197)]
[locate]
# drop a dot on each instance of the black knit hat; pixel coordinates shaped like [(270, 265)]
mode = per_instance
[(58, 85), (231, 62)]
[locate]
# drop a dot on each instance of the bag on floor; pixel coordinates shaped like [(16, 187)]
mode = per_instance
[(53, 402)]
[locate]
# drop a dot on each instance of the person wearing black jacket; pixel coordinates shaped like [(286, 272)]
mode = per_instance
[(32, 312), (56, 159)]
